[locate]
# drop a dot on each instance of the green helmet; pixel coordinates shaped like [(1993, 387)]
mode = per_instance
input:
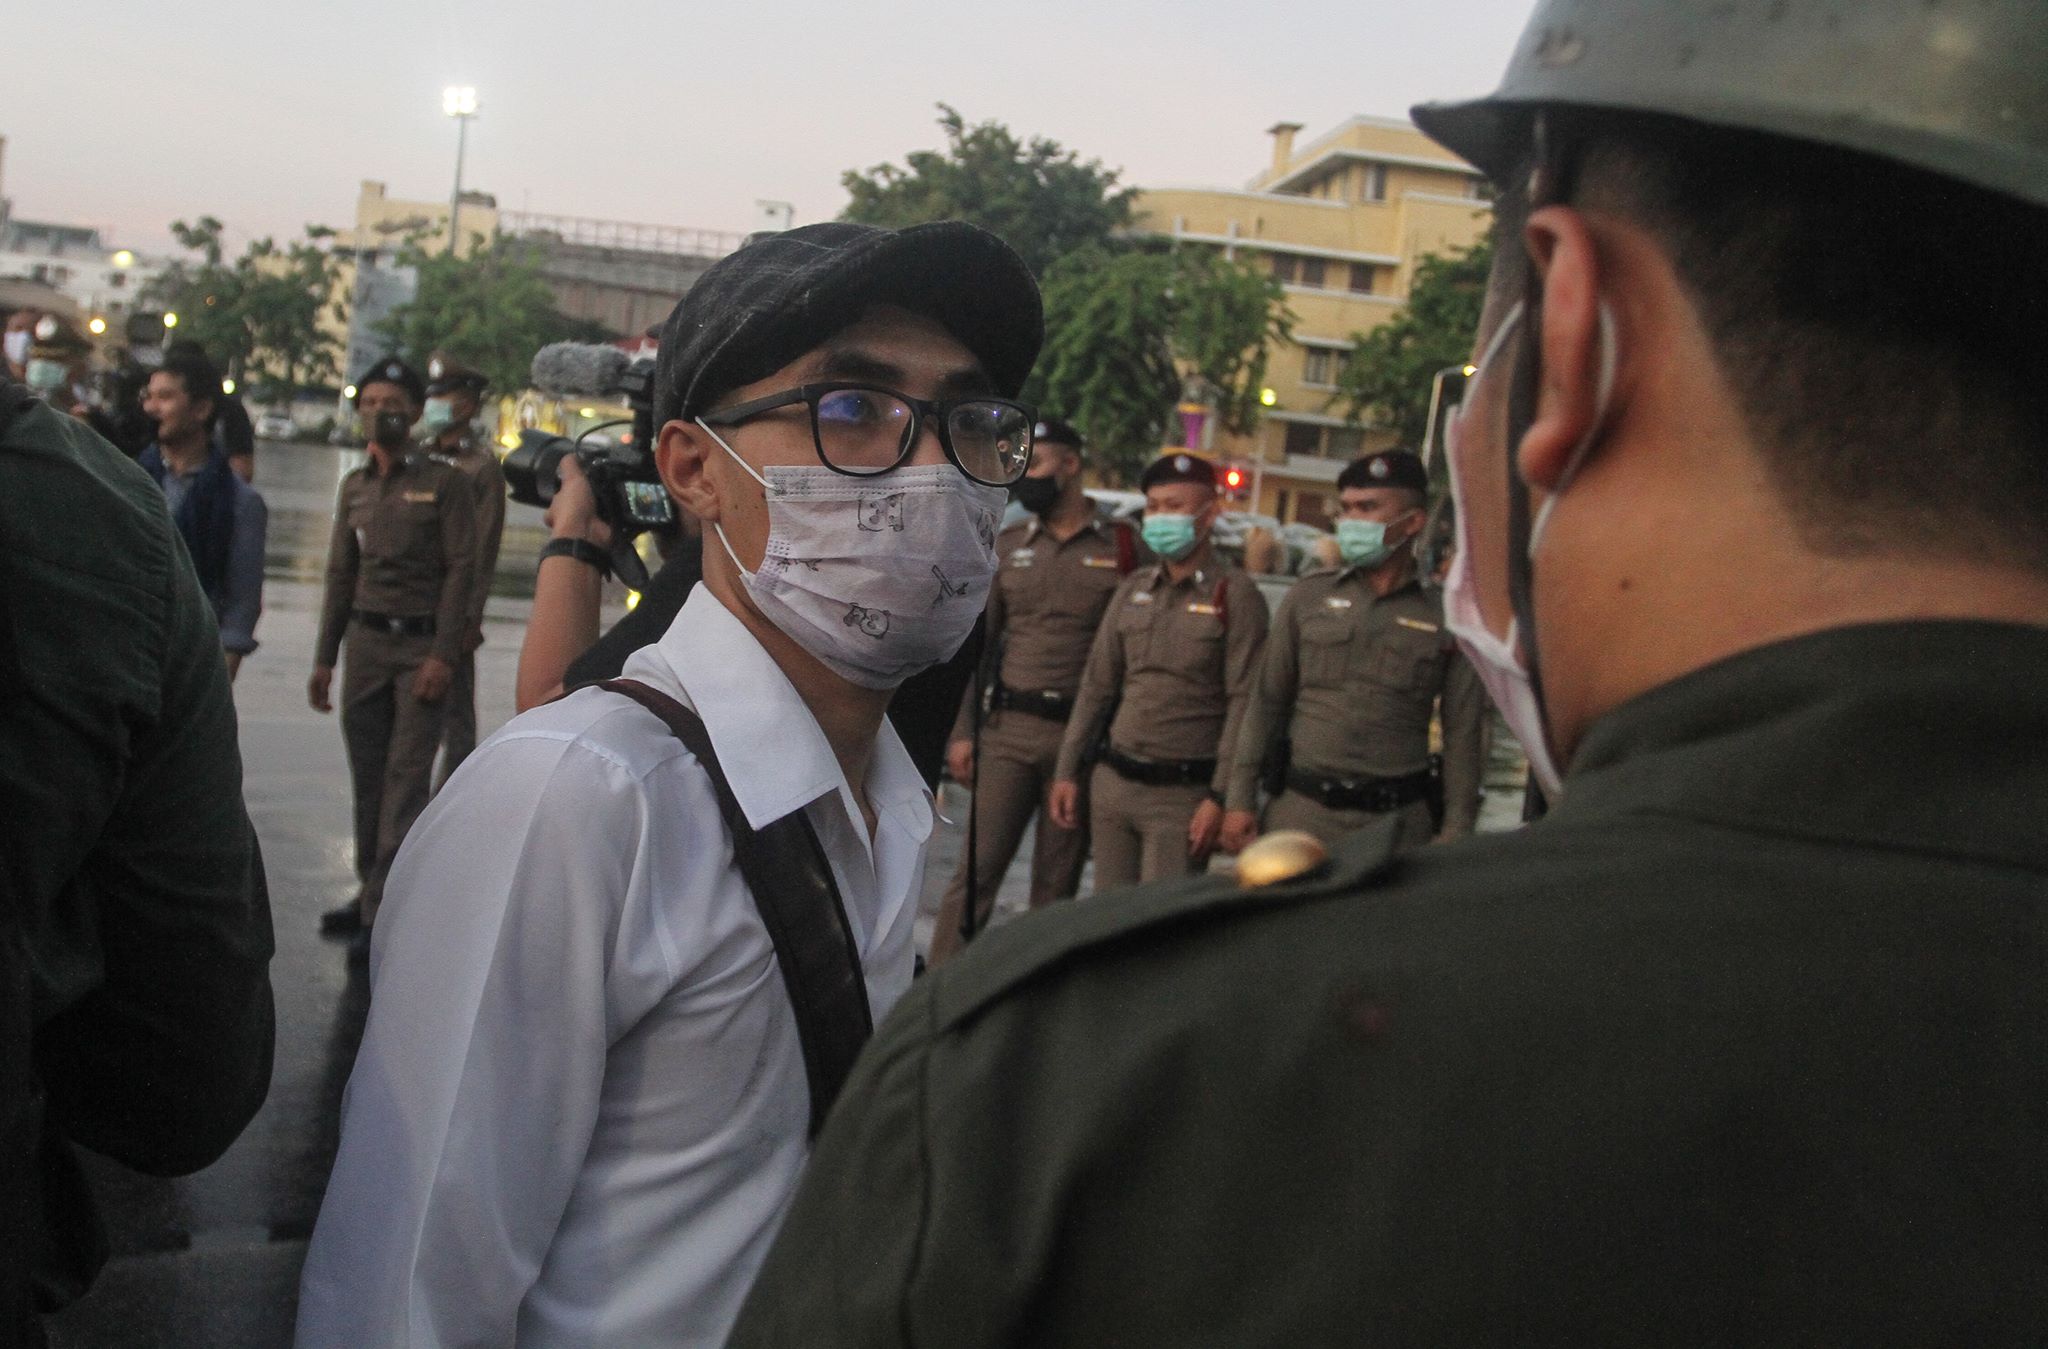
[(1954, 87)]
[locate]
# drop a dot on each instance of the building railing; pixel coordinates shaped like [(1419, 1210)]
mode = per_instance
[(575, 229)]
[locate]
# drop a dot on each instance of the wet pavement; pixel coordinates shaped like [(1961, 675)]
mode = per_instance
[(213, 1259)]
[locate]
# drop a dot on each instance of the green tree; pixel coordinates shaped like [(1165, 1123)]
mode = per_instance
[(1386, 376), (1129, 333), (1035, 195), (283, 299), (259, 316), (207, 294), (492, 309)]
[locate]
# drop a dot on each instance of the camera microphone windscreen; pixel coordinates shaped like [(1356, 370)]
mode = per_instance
[(579, 368)]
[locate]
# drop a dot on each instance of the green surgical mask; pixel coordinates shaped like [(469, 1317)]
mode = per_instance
[(1362, 543), (1170, 536), (438, 416)]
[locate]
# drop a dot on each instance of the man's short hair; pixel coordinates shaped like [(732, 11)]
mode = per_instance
[(1880, 326), (197, 374)]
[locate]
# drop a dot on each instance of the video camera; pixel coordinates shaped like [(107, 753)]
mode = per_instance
[(629, 495)]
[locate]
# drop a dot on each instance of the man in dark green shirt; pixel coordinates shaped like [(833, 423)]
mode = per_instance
[(134, 922), (1747, 1041)]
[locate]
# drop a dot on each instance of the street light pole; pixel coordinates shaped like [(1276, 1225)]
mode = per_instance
[(458, 102)]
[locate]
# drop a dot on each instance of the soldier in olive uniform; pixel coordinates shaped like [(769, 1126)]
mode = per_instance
[(1169, 676), (1354, 669), (447, 428), (399, 569), (1058, 571), (1746, 1040)]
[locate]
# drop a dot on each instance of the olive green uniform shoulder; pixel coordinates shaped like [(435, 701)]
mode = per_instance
[(1018, 954)]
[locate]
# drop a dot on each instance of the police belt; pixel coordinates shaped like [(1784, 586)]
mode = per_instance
[(1171, 773), (1378, 795), (395, 625), (1052, 706)]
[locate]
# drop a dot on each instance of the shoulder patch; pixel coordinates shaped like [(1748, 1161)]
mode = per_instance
[(1033, 947)]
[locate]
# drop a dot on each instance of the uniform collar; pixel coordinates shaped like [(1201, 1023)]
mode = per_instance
[(1916, 736), (1035, 525), (1201, 576), (771, 747)]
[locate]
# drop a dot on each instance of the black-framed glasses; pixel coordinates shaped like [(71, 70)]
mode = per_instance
[(861, 430)]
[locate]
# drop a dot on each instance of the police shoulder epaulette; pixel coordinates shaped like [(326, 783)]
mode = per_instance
[(1040, 944)]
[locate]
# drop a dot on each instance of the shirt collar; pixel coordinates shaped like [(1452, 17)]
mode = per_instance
[(772, 750), (1199, 577), (1096, 522), (1923, 736)]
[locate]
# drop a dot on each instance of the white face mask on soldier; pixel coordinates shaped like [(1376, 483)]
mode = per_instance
[(878, 577), (1498, 660)]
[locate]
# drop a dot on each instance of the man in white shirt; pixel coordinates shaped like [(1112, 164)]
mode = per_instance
[(581, 1103)]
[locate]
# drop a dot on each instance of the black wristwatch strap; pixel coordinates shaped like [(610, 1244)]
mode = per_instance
[(580, 549)]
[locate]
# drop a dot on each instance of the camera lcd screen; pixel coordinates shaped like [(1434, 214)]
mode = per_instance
[(647, 503)]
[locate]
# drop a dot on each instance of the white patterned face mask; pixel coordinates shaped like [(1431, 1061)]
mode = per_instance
[(878, 577)]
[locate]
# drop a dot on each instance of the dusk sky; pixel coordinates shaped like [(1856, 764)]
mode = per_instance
[(267, 114)]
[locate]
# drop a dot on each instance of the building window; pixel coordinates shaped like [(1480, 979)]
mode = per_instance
[(1313, 508), (1372, 183), (1304, 438), (1361, 277), (1284, 267), (1318, 366), (1345, 442), (1312, 272)]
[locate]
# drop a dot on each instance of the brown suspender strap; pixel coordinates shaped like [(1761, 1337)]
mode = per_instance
[(785, 868)]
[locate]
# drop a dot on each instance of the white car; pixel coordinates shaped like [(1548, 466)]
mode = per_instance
[(276, 426)]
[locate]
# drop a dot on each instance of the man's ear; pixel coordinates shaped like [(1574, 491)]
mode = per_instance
[(682, 456), (1568, 265)]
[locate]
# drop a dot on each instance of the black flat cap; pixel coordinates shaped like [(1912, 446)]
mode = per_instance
[(1388, 468), (445, 374), (782, 294), (1053, 431), (1178, 468), (391, 370)]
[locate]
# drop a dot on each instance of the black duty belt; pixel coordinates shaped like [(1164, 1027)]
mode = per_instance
[(397, 625), (1153, 773), (1052, 706), (1378, 795)]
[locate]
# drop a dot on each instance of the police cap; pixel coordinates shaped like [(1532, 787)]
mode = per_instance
[(446, 374), (1178, 468), (1388, 468), (391, 370), (1053, 431), (1952, 89)]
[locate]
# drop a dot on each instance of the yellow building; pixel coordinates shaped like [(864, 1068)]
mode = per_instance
[(1342, 222)]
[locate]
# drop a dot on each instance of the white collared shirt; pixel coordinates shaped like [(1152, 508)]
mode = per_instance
[(580, 1107)]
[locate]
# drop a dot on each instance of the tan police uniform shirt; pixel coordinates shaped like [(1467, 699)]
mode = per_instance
[(476, 462), (1047, 601), (1182, 655), (404, 544), (1352, 678)]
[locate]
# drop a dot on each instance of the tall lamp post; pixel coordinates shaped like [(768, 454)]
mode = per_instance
[(458, 102)]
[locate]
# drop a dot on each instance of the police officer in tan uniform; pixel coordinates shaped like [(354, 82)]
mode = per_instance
[(1169, 676), (1357, 664), (399, 571), (447, 427), (1058, 571)]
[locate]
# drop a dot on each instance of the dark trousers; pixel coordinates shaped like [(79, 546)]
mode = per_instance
[(391, 738)]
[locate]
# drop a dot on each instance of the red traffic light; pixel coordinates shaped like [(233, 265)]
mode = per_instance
[(1233, 479)]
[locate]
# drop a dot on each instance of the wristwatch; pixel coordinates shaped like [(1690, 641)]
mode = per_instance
[(580, 549)]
